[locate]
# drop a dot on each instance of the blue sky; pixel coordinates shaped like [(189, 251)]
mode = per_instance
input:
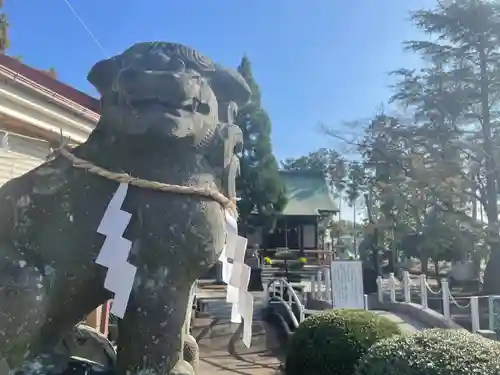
[(315, 60)]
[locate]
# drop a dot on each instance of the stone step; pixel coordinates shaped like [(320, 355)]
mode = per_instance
[(220, 309)]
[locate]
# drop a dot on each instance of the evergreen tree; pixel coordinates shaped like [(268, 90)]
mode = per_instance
[(467, 49), (318, 161), (4, 30), (261, 189), (52, 72)]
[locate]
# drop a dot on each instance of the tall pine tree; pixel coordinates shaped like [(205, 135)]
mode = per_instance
[(466, 48), (4, 28), (259, 184)]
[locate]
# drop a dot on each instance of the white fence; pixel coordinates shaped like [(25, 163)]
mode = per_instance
[(320, 285), (389, 290), (391, 287)]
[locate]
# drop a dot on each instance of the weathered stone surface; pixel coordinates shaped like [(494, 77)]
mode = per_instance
[(86, 342), (159, 122), (191, 352), (182, 368)]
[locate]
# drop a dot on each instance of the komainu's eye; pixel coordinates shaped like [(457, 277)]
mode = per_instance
[(176, 65), (203, 108)]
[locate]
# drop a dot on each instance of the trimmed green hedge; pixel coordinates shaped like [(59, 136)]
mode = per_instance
[(432, 352), (332, 342)]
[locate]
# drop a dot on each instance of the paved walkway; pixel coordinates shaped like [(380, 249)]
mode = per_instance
[(222, 351)]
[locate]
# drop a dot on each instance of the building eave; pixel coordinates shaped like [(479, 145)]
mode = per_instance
[(26, 106), (55, 91), (38, 100)]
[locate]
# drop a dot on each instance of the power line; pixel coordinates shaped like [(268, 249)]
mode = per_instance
[(86, 28)]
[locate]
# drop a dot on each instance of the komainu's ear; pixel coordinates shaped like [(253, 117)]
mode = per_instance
[(229, 86), (102, 74), (228, 112)]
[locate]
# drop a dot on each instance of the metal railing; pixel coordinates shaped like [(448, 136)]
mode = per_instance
[(276, 289), (279, 290)]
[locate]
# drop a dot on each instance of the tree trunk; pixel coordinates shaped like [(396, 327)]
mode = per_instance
[(374, 243), (335, 249), (392, 254), (476, 256), (340, 218), (437, 271), (474, 206), (424, 264), (491, 274), (476, 264), (354, 234)]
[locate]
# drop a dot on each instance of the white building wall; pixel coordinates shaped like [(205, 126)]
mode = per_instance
[(39, 110), (20, 154)]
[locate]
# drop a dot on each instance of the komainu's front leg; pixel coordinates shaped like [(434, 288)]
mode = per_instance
[(150, 339)]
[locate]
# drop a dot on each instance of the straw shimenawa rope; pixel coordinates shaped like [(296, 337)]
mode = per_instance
[(220, 198)]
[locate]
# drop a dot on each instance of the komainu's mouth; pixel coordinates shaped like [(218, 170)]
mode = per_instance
[(150, 103), (175, 110)]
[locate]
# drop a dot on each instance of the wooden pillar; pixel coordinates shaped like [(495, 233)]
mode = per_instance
[(300, 230), (321, 256), (316, 234), (105, 318), (94, 319), (99, 318)]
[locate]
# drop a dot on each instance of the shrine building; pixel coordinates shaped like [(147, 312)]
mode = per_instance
[(309, 210), (36, 112)]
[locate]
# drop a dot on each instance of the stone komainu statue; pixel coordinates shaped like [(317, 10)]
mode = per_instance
[(167, 116)]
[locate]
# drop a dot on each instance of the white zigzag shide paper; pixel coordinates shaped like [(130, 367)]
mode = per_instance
[(115, 251), (120, 276), (237, 276)]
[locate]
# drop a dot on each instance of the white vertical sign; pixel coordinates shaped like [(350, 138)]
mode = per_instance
[(347, 284)]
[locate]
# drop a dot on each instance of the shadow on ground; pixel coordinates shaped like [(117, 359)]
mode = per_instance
[(222, 351)]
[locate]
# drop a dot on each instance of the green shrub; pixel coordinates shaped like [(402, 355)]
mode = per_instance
[(432, 352), (332, 342)]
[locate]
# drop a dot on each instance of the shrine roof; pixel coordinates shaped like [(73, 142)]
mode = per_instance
[(307, 193)]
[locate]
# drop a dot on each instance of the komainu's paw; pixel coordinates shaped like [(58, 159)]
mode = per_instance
[(191, 352), (89, 344), (182, 368)]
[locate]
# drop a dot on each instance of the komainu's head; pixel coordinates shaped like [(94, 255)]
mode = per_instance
[(164, 90)]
